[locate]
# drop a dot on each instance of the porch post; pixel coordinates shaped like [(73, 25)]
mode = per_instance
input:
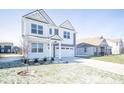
[(60, 50), (49, 49)]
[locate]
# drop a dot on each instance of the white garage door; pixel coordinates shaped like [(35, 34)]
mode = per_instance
[(65, 52)]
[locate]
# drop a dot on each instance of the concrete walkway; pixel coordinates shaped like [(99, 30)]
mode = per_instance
[(107, 66)]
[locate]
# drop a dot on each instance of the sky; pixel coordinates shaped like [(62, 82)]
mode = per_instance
[(88, 23)]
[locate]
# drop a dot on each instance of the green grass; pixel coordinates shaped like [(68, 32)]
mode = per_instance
[(111, 58), (60, 74)]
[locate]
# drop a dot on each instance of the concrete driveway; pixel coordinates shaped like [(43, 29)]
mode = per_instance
[(106, 66), (10, 59)]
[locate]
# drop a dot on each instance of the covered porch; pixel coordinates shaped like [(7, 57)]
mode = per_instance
[(49, 44)]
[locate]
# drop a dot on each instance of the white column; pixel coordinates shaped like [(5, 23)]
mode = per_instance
[(49, 49), (60, 50)]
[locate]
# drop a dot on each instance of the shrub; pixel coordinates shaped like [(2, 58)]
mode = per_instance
[(36, 60), (45, 59), (52, 59)]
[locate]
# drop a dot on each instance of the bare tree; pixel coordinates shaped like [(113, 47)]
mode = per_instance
[(25, 49)]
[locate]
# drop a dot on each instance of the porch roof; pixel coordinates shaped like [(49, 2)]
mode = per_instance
[(41, 38)]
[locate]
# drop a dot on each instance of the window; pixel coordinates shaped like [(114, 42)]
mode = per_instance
[(37, 47), (34, 47), (34, 28), (40, 47), (66, 35), (62, 48), (67, 48), (57, 47), (56, 32), (71, 48), (50, 31), (85, 49), (40, 29), (117, 44)]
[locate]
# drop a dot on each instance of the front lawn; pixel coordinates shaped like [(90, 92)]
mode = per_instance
[(61, 74), (111, 58)]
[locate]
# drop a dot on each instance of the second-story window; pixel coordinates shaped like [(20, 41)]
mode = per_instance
[(40, 29), (50, 31), (34, 28), (66, 35), (56, 32)]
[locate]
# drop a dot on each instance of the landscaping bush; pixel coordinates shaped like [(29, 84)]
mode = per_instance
[(36, 60), (52, 59), (45, 59)]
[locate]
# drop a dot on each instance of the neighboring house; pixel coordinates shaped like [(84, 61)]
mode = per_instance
[(116, 44), (92, 47), (43, 38), (6, 47), (17, 50)]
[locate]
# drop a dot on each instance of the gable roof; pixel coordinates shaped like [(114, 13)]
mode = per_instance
[(40, 15), (92, 41), (114, 40), (56, 37), (46, 16), (67, 24), (80, 45)]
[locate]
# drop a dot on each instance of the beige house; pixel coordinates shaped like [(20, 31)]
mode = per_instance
[(116, 44), (92, 47)]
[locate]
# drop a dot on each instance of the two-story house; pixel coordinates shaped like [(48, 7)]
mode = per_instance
[(43, 38), (116, 44)]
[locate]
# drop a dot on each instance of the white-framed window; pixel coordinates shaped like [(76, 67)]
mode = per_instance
[(71, 48), (34, 28), (40, 47), (62, 48), (37, 29), (66, 35), (67, 48), (34, 47), (50, 31), (37, 47), (116, 43), (85, 49), (56, 31), (40, 29)]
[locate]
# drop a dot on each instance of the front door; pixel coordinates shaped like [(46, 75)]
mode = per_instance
[(102, 51), (54, 50)]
